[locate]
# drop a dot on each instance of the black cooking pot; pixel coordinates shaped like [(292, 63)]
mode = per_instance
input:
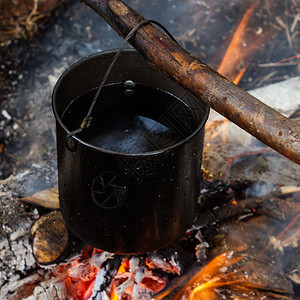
[(129, 183)]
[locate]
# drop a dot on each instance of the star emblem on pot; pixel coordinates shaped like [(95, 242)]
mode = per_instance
[(109, 190)]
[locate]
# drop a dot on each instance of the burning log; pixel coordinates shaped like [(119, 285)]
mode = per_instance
[(266, 124), (105, 275)]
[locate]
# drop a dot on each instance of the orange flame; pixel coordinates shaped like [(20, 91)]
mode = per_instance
[(113, 295), (202, 285), (89, 291), (233, 60), (124, 266), (236, 52), (238, 78)]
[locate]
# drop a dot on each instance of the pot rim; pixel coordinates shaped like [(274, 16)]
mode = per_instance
[(148, 153)]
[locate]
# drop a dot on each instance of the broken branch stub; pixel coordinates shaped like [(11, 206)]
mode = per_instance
[(258, 119)]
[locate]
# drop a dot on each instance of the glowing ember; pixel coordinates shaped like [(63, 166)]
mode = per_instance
[(113, 295), (89, 291), (135, 278), (124, 266), (103, 275)]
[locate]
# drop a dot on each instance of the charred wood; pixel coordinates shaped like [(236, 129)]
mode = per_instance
[(105, 276), (50, 238)]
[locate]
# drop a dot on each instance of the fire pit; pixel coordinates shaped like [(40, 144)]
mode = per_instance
[(243, 243)]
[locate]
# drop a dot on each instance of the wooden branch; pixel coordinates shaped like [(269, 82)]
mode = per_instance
[(46, 198), (258, 119)]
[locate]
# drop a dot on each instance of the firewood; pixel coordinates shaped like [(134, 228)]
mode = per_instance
[(47, 198), (289, 189), (50, 238), (258, 119)]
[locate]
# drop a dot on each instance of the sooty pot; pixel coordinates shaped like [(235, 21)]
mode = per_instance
[(129, 183)]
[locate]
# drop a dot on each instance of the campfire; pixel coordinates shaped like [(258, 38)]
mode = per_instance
[(243, 243)]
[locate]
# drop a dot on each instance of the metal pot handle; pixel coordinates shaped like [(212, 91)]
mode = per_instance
[(70, 142), (88, 118)]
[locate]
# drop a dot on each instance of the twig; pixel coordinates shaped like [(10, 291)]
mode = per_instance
[(280, 22), (287, 32), (268, 65), (294, 24), (288, 36), (266, 78), (268, 6), (289, 189), (30, 22), (281, 62), (203, 3)]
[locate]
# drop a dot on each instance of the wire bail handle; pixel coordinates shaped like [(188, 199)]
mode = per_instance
[(71, 145)]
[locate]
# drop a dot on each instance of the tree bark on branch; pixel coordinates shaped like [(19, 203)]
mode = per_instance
[(246, 111)]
